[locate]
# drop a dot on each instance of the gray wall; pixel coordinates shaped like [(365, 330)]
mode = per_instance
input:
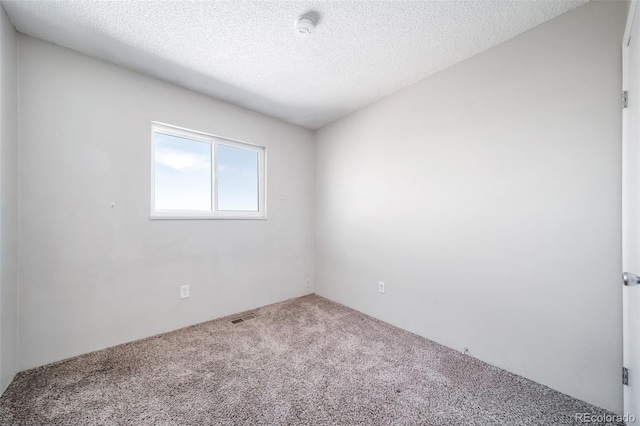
[(8, 201), (92, 276), (488, 199)]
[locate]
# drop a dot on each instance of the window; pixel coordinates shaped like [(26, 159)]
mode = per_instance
[(200, 176)]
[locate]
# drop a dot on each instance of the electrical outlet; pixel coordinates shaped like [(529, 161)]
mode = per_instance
[(308, 283), (184, 291), (381, 287)]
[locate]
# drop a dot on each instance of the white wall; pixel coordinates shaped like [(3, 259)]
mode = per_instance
[(488, 198), (92, 276), (8, 201)]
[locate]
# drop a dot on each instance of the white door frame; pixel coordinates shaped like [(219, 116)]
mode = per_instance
[(630, 253)]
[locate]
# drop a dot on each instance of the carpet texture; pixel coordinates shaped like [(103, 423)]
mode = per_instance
[(306, 361)]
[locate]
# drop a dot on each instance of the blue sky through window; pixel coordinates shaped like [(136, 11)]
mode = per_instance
[(182, 174), (237, 178)]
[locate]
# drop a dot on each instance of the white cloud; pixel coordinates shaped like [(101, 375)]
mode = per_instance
[(182, 161)]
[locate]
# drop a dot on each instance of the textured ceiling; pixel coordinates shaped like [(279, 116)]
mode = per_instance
[(247, 52)]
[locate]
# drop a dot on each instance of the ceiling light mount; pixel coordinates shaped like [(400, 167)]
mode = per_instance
[(305, 24)]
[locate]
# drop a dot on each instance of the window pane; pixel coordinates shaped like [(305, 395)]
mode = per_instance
[(182, 174), (237, 179)]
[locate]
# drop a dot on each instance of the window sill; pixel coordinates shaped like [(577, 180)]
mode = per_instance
[(157, 216)]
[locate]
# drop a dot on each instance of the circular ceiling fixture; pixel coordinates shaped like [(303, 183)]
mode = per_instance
[(306, 23)]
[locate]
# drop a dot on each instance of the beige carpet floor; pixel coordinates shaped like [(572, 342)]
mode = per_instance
[(306, 361)]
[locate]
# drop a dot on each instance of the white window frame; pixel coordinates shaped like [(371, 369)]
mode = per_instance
[(214, 141)]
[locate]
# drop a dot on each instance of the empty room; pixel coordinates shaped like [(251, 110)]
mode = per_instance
[(330, 212)]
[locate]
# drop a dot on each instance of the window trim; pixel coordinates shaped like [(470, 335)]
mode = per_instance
[(213, 140)]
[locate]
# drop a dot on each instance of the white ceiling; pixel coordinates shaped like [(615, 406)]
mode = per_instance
[(247, 52)]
